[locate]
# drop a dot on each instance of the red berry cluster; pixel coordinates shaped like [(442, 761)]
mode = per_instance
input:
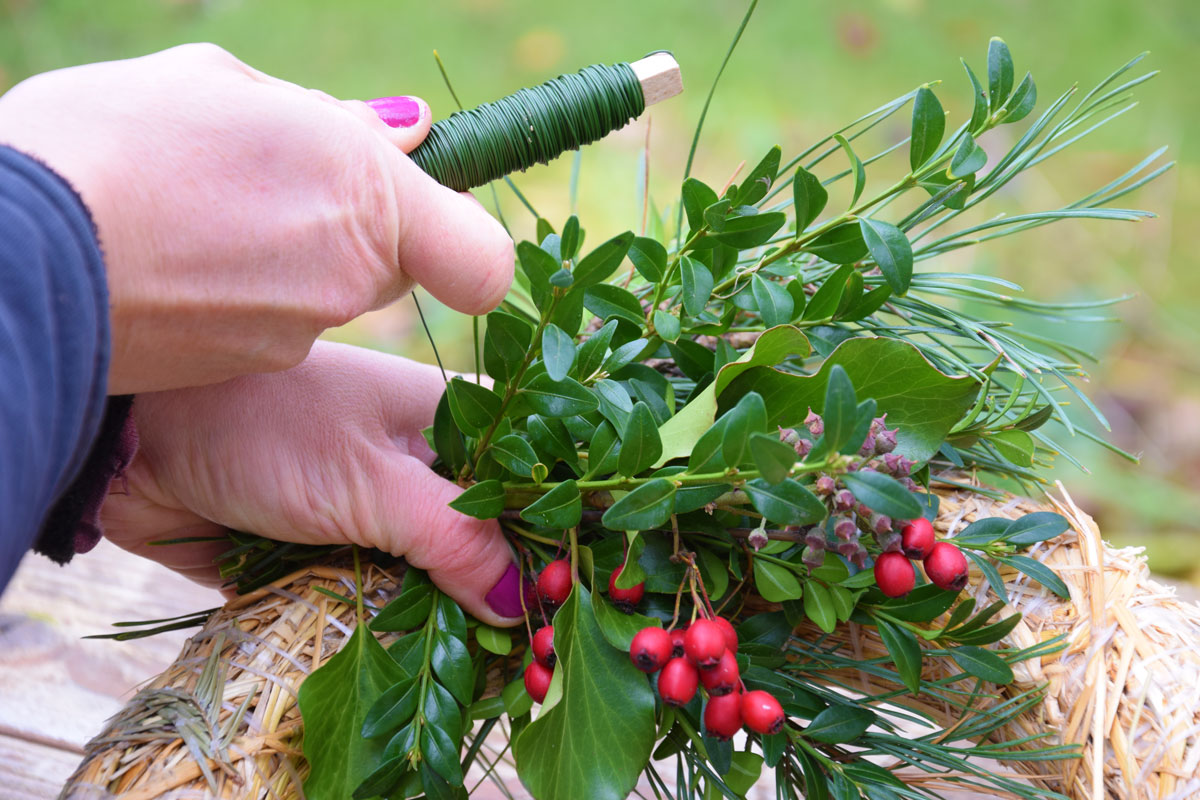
[(704, 654), (541, 669), (945, 564)]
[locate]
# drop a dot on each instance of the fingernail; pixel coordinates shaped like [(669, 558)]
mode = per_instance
[(505, 597), (397, 112)]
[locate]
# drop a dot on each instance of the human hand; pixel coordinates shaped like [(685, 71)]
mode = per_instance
[(241, 215), (328, 452)]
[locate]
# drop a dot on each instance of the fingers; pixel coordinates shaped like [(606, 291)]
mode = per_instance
[(406, 119), (467, 558)]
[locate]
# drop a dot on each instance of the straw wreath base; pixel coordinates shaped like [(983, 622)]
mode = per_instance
[(222, 721)]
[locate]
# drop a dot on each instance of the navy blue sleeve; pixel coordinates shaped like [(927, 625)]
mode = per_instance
[(54, 347)]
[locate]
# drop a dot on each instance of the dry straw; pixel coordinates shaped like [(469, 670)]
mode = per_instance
[(222, 721)]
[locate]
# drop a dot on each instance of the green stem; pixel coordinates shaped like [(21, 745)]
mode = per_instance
[(414, 755)]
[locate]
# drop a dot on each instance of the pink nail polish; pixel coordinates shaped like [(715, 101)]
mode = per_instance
[(505, 597), (398, 112)]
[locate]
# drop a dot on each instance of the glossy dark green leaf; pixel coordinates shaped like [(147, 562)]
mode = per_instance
[(666, 325), (494, 640), (828, 297), (452, 665), (335, 700), (988, 634), (840, 723), (938, 184), (407, 611), (1040, 573), (840, 409), (603, 261), (747, 417), (882, 493), (563, 398), (775, 583), (592, 352), (614, 401), (613, 302), (561, 507), (808, 196), (649, 258), (448, 616), (538, 266), (640, 443), (866, 305), (409, 652), (1036, 527), (393, 709), (380, 782), (923, 604), (1000, 72), (435, 786), (760, 179), (1022, 101), (891, 250), (617, 627), (968, 158), (818, 606), (647, 506), (905, 651), (484, 500), (623, 355), (857, 169), (514, 454), (568, 244), (440, 752), (839, 245), (697, 196), (774, 303), (773, 458), (785, 503), (447, 438), (557, 754), (551, 438), (558, 352), (928, 127), (716, 214), (693, 359), (706, 455), (982, 664), (744, 771), (990, 573), (604, 450), (979, 102), (562, 279), (697, 285), (983, 531), (473, 407), (751, 230)]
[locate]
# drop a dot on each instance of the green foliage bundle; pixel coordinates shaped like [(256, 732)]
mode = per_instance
[(746, 404)]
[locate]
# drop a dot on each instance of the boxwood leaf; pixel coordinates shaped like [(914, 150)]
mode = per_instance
[(494, 640), (818, 605), (407, 611), (558, 351), (808, 196), (1021, 102), (697, 196), (473, 407), (773, 458), (440, 753), (514, 454), (882, 493), (982, 664), (1000, 72), (785, 503), (891, 250), (591, 352), (905, 651), (603, 261), (840, 723), (613, 302), (647, 506), (649, 258), (561, 507), (760, 179), (775, 583), (968, 159), (839, 245), (856, 167), (774, 303), (928, 126), (751, 230), (564, 398), (452, 665), (393, 709), (484, 500), (640, 443), (697, 285), (979, 103), (666, 325)]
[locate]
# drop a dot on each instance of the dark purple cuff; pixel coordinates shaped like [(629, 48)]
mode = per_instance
[(73, 524)]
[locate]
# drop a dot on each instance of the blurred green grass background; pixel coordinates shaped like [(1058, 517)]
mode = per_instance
[(802, 70)]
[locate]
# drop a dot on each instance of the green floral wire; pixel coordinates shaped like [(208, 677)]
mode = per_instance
[(532, 126)]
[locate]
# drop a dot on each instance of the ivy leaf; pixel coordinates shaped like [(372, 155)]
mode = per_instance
[(484, 500), (697, 285), (922, 401), (968, 159), (558, 352), (982, 664), (882, 493), (649, 258), (473, 407), (647, 506), (640, 444), (452, 664), (561, 507), (334, 701), (808, 196), (905, 651), (775, 583), (751, 230), (774, 303), (856, 166), (840, 723), (785, 503), (514, 454), (1040, 573), (773, 458), (1000, 72), (891, 250), (928, 126), (564, 398), (603, 261), (557, 757)]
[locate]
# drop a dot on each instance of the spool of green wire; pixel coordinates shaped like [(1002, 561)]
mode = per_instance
[(536, 125)]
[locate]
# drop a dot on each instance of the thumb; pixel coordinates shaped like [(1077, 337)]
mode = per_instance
[(407, 119), (467, 558)]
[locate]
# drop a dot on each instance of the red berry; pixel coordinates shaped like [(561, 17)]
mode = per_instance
[(554, 584), (723, 716), (761, 712), (946, 566), (731, 640), (537, 681), (704, 643), (677, 637), (624, 599), (723, 678), (894, 574), (677, 682), (917, 539), (543, 647), (650, 649)]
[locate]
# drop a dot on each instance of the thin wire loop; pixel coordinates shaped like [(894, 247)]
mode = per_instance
[(532, 126)]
